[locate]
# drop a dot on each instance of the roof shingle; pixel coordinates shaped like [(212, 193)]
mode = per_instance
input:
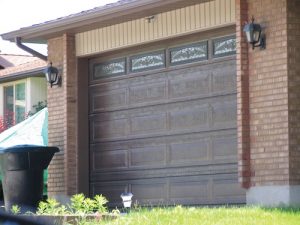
[(9, 60), (23, 68)]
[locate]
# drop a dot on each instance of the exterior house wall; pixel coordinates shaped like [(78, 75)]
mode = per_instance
[(187, 20), (267, 92)]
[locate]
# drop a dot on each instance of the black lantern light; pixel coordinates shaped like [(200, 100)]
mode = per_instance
[(254, 34), (52, 75)]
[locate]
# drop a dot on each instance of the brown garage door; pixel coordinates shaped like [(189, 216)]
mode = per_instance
[(163, 125)]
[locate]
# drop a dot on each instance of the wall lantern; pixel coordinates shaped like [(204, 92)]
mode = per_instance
[(52, 75), (254, 34), (126, 198)]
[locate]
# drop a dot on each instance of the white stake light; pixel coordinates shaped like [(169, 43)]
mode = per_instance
[(126, 198)]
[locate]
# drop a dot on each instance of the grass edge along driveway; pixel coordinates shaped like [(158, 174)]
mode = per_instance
[(209, 216)]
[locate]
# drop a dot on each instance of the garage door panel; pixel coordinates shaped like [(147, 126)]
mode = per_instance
[(106, 100), (188, 86), (214, 189), (188, 190), (154, 156), (159, 172), (148, 192), (176, 118), (143, 93), (193, 117), (224, 114), (162, 152), (224, 147), (189, 152), (161, 140), (111, 190), (110, 160), (147, 124), (228, 189), (117, 128), (188, 83), (223, 81)]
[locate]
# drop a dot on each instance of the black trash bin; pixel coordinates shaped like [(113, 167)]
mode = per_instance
[(22, 169)]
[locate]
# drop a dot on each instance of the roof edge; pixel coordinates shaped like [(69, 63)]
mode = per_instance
[(38, 72)]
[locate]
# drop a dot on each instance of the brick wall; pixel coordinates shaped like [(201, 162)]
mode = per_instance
[(293, 33), (56, 109), (268, 96), (62, 120), (70, 123)]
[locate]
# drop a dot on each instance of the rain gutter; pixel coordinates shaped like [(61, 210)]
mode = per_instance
[(29, 50)]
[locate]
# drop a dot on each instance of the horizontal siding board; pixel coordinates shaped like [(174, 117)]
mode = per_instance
[(169, 24)]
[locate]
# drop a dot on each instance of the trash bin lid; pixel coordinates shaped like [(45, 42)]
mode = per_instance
[(27, 148)]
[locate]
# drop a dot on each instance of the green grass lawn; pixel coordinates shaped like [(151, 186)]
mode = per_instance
[(209, 216)]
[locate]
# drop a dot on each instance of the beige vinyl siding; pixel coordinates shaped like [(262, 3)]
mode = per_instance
[(37, 89), (191, 19)]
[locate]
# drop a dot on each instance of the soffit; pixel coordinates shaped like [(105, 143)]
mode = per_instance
[(121, 11)]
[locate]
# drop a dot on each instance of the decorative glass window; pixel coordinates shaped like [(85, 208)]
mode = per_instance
[(224, 46), (188, 53), (147, 61), (111, 68)]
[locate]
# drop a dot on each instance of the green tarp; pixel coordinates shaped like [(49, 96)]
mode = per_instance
[(32, 131)]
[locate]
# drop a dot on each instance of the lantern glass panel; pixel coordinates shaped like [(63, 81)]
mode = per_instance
[(256, 36), (248, 34), (53, 77), (48, 76)]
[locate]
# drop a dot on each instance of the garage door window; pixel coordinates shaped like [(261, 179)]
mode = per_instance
[(224, 46), (188, 53), (152, 60), (111, 68)]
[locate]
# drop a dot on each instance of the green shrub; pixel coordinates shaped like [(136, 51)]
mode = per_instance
[(51, 207), (79, 205), (15, 209)]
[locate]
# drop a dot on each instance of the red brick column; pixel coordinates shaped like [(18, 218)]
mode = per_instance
[(56, 116), (62, 106), (70, 122), (268, 88), (243, 118)]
